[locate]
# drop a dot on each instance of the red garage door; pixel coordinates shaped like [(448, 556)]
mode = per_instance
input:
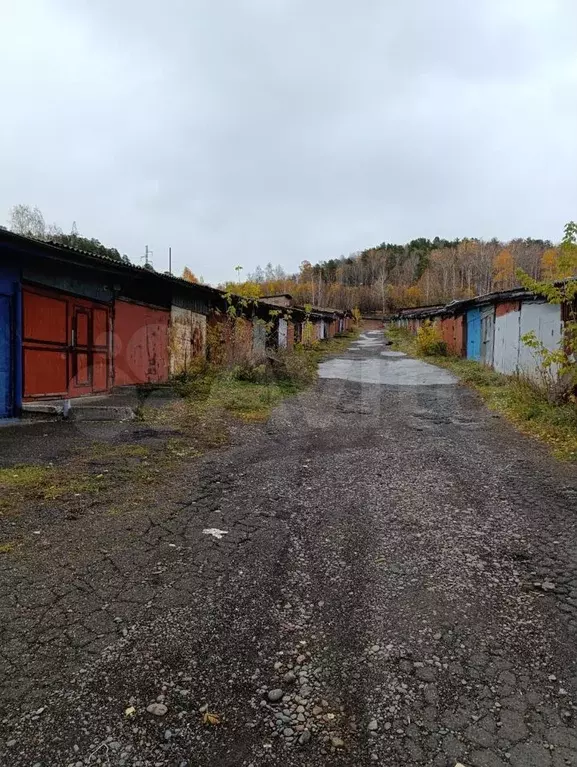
[(140, 344), (66, 343)]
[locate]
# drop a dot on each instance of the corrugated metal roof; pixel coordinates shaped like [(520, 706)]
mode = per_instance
[(512, 294), (66, 250), (111, 262)]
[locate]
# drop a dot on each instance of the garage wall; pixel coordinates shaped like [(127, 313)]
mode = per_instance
[(544, 320), (141, 344), (282, 333), (506, 341), (258, 340), (487, 334), (474, 334), (187, 338), (10, 346), (65, 344)]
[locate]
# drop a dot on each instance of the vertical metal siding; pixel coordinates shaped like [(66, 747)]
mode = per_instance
[(452, 332), (474, 334), (487, 334), (506, 340), (545, 321), (459, 331)]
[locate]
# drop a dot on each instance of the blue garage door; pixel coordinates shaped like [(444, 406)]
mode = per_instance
[(474, 334), (5, 357)]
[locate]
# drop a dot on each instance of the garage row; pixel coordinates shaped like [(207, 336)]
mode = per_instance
[(74, 324), (490, 328)]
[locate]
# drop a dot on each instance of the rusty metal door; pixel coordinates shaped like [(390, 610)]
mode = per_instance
[(487, 335)]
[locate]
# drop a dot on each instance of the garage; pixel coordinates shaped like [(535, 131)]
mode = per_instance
[(65, 345), (141, 343)]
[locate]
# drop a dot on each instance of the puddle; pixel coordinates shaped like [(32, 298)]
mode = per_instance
[(366, 342), (403, 372)]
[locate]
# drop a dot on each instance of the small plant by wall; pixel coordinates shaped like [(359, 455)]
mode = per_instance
[(308, 336), (557, 368), (430, 341)]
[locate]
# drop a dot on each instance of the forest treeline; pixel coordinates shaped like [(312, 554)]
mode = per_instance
[(421, 272), (380, 279)]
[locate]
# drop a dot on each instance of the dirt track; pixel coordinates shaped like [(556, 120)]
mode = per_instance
[(397, 563)]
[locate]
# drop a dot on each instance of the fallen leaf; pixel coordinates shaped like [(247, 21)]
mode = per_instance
[(130, 711), (211, 718)]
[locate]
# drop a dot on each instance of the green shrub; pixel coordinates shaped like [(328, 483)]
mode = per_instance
[(195, 385), (429, 341), (257, 374)]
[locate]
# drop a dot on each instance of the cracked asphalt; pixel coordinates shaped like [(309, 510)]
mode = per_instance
[(385, 573)]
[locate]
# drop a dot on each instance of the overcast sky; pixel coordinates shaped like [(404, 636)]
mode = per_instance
[(247, 131)]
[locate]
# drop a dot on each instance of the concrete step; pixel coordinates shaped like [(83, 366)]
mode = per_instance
[(101, 413), (76, 410), (50, 411)]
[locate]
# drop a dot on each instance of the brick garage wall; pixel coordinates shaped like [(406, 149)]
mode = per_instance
[(258, 340), (291, 335), (187, 338)]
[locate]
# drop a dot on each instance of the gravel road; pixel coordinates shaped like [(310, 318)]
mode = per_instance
[(384, 574)]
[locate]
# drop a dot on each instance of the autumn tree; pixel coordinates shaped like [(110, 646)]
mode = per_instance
[(188, 275), (549, 264), (503, 270), (247, 289)]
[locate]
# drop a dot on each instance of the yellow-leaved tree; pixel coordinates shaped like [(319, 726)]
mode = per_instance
[(188, 275), (503, 270), (549, 264)]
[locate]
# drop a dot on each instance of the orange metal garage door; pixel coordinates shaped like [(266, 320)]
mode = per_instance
[(66, 345)]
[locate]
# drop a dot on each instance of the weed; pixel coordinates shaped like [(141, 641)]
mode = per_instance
[(23, 477), (6, 548), (114, 452), (258, 374), (248, 391), (429, 340), (72, 485)]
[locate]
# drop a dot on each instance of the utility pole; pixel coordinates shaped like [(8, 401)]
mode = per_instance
[(170, 261), (147, 258)]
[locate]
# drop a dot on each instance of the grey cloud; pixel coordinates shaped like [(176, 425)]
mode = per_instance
[(257, 130)]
